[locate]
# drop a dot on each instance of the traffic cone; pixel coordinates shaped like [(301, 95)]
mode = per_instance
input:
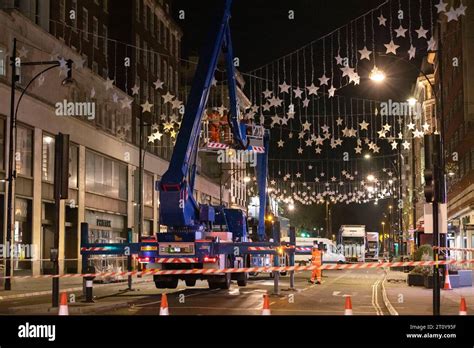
[(463, 307), (348, 307), (63, 309), (266, 305), (447, 283), (164, 305)]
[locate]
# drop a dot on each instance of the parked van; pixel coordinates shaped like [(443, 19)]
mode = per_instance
[(303, 250)]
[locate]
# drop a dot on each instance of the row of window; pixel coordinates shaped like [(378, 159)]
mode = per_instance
[(156, 27), (466, 164), (156, 65), (458, 136)]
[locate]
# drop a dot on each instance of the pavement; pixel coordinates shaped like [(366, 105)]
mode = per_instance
[(418, 300), (372, 291)]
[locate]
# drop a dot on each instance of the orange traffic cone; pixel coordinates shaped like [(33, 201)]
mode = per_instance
[(348, 307), (266, 305), (164, 305), (463, 307), (447, 283), (63, 309)]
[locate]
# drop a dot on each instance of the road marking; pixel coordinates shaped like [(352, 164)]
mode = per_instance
[(177, 291), (375, 301), (387, 303)]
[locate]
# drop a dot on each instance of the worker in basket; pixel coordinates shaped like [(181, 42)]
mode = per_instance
[(214, 126), (316, 260)]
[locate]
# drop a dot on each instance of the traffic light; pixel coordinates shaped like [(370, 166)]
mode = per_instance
[(432, 174)]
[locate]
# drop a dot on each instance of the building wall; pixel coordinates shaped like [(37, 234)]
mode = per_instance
[(95, 196), (458, 97)]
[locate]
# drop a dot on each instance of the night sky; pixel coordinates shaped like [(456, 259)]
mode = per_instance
[(262, 32)]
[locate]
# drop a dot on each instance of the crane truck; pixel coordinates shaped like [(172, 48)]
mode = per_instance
[(202, 236)]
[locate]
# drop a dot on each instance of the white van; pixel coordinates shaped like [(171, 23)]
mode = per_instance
[(330, 255)]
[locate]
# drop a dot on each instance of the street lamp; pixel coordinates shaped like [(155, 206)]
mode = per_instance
[(11, 172), (291, 207), (377, 75), (367, 156), (371, 177)]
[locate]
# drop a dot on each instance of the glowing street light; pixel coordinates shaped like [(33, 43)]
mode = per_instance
[(412, 101), (247, 179), (377, 75), (370, 178), (367, 156), (291, 207)]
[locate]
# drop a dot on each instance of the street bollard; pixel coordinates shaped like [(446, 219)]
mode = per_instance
[(89, 296)]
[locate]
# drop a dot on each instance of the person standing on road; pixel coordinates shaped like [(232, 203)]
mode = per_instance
[(316, 260)]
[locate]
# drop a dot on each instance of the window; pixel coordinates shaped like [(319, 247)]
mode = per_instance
[(137, 43), (105, 42), (158, 66), (167, 38), (95, 67), (145, 16), (95, 32), (73, 165), (62, 10), (152, 62), (152, 22), (85, 23), (2, 144), (24, 151), (162, 32), (137, 9), (148, 189), (145, 54), (2, 61), (74, 8), (106, 176), (105, 4), (47, 158), (171, 77), (165, 72)]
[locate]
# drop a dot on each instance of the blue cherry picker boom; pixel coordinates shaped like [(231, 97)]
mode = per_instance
[(201, 236)]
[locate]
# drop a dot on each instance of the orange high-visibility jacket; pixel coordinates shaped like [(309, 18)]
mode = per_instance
[(316, 257)]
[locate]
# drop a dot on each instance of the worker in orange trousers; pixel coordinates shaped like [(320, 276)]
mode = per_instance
[(316, 260)]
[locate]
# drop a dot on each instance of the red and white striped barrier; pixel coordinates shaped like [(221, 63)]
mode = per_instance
[(455, 249), (253, 269), (302, 249), (220, 146), (258, 149), (212, 145), (259, 248), (94, 249), (177, 260)]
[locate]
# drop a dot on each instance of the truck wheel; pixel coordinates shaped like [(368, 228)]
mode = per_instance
[(212, 284), (243, 279), (173, 284), (190, 282), (161, 285)]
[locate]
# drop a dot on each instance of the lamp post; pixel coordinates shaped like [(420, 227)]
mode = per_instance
[(383, 238), (438, 166), (11, 171)]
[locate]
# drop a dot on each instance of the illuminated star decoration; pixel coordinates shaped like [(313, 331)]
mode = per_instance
[(411, 52), (401, 31), (421, 32), (382, 20), (452, 14), (365, 53), (158, 84), (109, 84), (146, 107), (284, 88), (391, 47), (323, 80)]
